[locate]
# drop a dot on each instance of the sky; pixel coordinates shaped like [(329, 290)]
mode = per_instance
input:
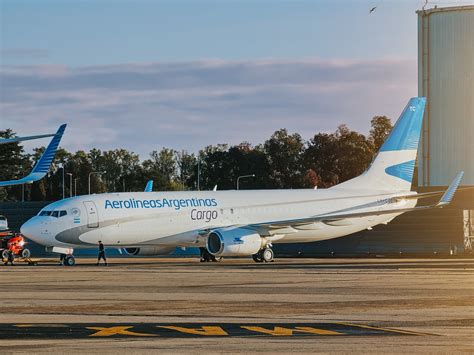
[(184, 74)]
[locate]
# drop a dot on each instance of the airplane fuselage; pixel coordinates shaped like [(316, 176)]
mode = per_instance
[(181, 218)]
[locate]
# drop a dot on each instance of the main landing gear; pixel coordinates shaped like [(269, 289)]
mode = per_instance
[(264, 255), (207, 257)]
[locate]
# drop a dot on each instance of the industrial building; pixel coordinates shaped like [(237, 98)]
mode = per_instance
[(446, 79)]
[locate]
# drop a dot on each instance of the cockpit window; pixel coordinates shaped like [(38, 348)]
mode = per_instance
[(56, 214)]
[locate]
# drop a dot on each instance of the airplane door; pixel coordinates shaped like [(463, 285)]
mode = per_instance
[(92, 215)]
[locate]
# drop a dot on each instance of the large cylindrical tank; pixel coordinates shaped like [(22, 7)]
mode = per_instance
[(446, 79)]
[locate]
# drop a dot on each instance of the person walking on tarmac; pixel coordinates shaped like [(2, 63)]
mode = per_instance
[(10, 258), (101, 253)]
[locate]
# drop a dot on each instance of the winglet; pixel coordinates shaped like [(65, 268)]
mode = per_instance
[(149, 186), (449, 194)]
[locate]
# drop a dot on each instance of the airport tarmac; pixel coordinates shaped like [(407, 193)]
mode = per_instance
[(181, 305)]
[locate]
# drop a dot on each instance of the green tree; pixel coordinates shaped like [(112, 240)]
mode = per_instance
[(15, 164), (354, 153), (162, 168), (284, 153), (320, 157), (381, 126)]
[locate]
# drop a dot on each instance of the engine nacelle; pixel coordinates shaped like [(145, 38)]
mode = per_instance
[(233, 242), (149, 251)]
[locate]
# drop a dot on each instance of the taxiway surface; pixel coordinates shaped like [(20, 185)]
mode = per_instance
[(181, 305)]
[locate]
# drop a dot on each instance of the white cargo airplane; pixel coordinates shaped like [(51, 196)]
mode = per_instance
[(242, 223), (42, 165)]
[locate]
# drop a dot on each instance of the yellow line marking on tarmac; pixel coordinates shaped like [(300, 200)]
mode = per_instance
[(281, 331), (392, 330), (106, 332), (204, 330)]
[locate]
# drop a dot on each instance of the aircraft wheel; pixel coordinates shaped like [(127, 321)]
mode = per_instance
[(5, 254), (70, 261), (257, 257), (267, 255), (25, 253)]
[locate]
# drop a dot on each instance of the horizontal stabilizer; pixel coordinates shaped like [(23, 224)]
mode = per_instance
[(330, 218), (21, 139)]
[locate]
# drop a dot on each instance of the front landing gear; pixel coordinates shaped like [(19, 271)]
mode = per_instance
[(264, 255), (65, 255), (69, 260)]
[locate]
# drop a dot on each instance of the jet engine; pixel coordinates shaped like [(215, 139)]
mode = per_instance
[(149, 251), (233, 242)]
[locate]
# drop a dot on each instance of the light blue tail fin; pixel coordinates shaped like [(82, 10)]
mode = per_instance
[(394, 165), (149, 186), (406, 133)]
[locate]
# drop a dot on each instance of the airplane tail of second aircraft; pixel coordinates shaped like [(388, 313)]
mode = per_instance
[(393, 167)]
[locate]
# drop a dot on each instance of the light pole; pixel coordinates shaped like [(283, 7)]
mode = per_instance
[(94, 172), (70, 184), (199, 173), (243, 176), (75, 186), (62, 168)]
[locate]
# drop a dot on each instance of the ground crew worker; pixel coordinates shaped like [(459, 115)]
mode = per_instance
[(62, 258), (101, 253), (10, 258)]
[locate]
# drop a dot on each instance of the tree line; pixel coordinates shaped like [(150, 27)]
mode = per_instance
[(284, 160)]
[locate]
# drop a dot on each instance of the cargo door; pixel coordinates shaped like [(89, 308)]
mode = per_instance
[(92, 215)]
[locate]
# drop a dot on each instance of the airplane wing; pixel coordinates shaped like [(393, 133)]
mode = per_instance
[(20, 139), (149, 186), (341, 215), (42, 165)]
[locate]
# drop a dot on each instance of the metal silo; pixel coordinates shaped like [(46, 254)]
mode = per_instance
[(446, 78)]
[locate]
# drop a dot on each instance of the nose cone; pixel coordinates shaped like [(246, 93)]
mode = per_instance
[(29, 230)]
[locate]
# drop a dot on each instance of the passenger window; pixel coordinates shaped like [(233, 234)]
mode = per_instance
[(62, 213), (55, 214)]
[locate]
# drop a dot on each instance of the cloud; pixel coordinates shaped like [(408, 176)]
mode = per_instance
[(23, 53), (188, 105)]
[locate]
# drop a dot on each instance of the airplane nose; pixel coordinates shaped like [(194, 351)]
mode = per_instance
[(28, 229)]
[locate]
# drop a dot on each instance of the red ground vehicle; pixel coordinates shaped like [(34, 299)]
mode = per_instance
[(15, 243)]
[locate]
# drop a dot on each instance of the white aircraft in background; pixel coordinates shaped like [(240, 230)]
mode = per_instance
[(42, 165), (242, 223)]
